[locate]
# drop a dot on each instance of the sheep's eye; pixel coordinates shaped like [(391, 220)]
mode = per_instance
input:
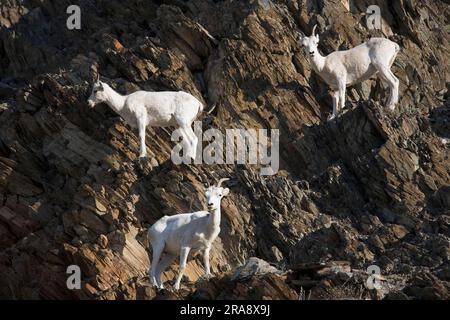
[(220, 195)]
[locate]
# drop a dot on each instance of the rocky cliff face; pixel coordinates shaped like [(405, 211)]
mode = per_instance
[(371, 188)]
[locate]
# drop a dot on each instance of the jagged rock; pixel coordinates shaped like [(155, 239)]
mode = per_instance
[(6, 91), (269, 286), (426, 286), (254, 266)]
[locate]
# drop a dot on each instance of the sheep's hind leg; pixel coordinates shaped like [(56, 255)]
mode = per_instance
[(394, 91), (386, 74), (191, 138), (157, 251), (186, 142), (164, 263), (194, 141)]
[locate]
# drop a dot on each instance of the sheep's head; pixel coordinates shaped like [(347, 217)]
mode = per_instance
[(214, 195), (98, 94), (310, 43)]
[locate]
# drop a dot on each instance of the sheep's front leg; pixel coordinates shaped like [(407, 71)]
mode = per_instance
[(206, 263), (183, 260), (335, 104), (143, 149), (342, 87)]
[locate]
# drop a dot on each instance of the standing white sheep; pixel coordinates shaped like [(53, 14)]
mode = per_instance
[(345, 68), (180, 234), (157, 109)]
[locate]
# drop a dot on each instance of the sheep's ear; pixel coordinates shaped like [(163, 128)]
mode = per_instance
[(226, 191), (100, 86)]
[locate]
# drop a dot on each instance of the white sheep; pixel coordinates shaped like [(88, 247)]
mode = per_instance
[(345, 68), (180, 234), (157, 109)]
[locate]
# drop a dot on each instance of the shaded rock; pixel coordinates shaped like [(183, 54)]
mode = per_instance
[(426, 286)]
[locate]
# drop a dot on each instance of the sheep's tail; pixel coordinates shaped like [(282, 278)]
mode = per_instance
[(200, 107)]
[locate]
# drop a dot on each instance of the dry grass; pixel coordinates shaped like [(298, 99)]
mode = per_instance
[(344, 292)]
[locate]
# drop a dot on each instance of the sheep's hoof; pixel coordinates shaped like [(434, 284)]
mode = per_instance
[(159, 286), (144, 164), (331, 117), (153, 284), (142, 159), (206, 277), (192, 155)]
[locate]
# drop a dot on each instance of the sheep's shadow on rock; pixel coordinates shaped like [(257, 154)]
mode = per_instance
[(439, 120), (439, 202), (333, 157)]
